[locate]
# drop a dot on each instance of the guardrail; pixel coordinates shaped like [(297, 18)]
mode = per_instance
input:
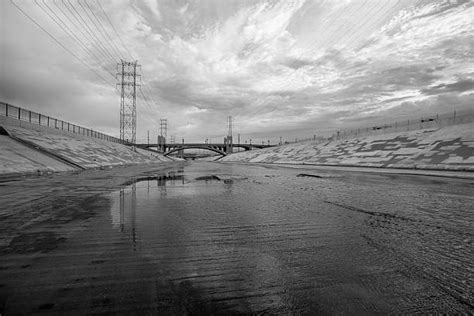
[(35, 118)]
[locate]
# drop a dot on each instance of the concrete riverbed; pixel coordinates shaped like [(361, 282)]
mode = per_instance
[(215, 238)]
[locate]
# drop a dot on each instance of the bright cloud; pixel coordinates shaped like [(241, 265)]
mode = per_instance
[(275, 66)]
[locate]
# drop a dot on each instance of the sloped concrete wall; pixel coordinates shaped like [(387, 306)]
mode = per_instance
[(448, 148), (81, 151), (18, 158)]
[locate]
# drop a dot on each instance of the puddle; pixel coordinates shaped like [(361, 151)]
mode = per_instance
[(146, 193), (208, 178)]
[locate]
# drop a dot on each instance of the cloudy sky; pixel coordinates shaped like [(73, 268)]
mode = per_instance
[(286, 68)]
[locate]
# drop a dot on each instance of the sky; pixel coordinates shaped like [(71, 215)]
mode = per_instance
[(289, 68)]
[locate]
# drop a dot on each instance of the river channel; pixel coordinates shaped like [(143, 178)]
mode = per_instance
[(221, 238)]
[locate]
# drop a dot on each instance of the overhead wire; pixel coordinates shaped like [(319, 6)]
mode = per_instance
[(116, 33), (65, 28), (354, 33), (91, 33), (78, 26), (261, 101), (89, 36), (142, 99), (57, 41), (360, 29), (105, 31), (116, 56), (284, 81)]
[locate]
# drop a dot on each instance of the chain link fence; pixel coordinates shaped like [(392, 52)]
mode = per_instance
[(31, 117), (428, 122)]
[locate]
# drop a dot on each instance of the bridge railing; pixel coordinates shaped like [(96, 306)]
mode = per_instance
[(20, 114)]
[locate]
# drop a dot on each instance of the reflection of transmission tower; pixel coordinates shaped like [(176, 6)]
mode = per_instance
[(127, 76)]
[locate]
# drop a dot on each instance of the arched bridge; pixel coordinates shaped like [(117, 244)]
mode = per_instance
[(222, 149)]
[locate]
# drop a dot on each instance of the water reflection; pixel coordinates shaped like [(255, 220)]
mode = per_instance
[(158, 186), (270, 241), (128, 201)]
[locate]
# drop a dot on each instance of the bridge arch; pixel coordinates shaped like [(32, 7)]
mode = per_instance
[(178, 148)]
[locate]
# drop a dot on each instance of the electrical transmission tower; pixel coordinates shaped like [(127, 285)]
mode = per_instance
[(163, 132), (229, 124), (228, 139), (163, 127), (127, 75)]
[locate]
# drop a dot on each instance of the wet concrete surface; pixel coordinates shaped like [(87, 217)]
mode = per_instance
[(210, 238)]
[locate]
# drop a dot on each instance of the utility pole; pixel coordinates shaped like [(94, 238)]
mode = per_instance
[(127, 76), (148, 137)]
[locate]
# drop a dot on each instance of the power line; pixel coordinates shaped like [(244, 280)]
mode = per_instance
[(57, 41), (77, 25), (150, 94), (117, 56), (65, 28), (146, 98), (147, 104), (105, 31), (261, 99), (355, 32), (91, 33), (73, 23), (107, 17), (282, 82)]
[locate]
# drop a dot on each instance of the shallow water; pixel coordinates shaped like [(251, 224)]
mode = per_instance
[(226, 238), (265, 240)]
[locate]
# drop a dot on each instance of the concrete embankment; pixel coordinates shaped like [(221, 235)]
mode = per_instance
[(28, 148), (447, 148)]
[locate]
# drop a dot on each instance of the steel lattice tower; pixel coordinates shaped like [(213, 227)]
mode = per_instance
[(163, 128), (228, 140), (127, 76)]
